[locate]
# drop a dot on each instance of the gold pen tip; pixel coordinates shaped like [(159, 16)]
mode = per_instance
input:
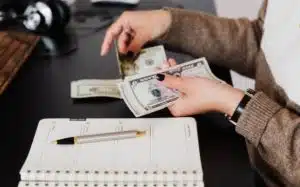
[(140, 133), (54, 142)]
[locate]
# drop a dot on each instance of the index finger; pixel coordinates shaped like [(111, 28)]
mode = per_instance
[(112, 33)]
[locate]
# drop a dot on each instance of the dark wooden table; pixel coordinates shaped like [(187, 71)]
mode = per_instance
[(42, 90)]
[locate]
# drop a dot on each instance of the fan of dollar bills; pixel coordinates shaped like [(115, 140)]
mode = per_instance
[(138, 87)]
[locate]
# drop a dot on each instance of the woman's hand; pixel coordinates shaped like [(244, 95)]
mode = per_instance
[(200, 95), (134, 28)]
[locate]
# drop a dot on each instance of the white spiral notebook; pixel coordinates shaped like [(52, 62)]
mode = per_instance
[(167, 155)]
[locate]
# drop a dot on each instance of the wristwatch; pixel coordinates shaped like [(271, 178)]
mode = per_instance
[(249, 93)]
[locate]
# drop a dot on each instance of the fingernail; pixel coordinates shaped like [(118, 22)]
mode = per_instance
[(130, 54), (160, 77)]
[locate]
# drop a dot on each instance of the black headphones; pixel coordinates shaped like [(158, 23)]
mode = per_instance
[(41, 16)]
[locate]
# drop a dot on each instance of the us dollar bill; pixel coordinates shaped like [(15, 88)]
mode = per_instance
[(147, 60), (87, 88), (144, 94)]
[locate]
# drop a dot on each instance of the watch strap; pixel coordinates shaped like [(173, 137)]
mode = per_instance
[(241, 106)]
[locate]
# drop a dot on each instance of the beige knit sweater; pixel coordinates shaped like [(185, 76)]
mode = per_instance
[(271, 122)]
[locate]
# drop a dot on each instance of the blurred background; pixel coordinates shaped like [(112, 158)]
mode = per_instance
[(226, 8), (234, 9)]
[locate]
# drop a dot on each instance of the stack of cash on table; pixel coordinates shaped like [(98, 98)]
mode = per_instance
[(138, 86)]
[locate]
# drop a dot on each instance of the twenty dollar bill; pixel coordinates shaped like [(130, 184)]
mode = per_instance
[(148, 60), (95, 88), (144, 94)]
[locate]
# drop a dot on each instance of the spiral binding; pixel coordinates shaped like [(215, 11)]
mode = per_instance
[(93, 184), (115, 177)]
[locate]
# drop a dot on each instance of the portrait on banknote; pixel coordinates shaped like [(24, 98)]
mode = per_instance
[(150, 93)]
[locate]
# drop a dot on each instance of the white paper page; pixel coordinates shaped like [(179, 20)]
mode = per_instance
[(169, 144)]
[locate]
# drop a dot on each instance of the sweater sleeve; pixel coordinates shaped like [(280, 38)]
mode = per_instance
[(275, 132), (231, 43)]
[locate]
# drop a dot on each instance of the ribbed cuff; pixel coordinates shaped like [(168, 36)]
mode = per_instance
[(253, 121)]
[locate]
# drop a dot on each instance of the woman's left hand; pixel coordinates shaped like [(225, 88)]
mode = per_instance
[(200, 95)]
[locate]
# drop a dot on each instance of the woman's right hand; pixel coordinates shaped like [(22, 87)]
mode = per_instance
[(134, 28)]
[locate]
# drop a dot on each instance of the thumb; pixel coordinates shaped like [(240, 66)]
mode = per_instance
[(172, 81)]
